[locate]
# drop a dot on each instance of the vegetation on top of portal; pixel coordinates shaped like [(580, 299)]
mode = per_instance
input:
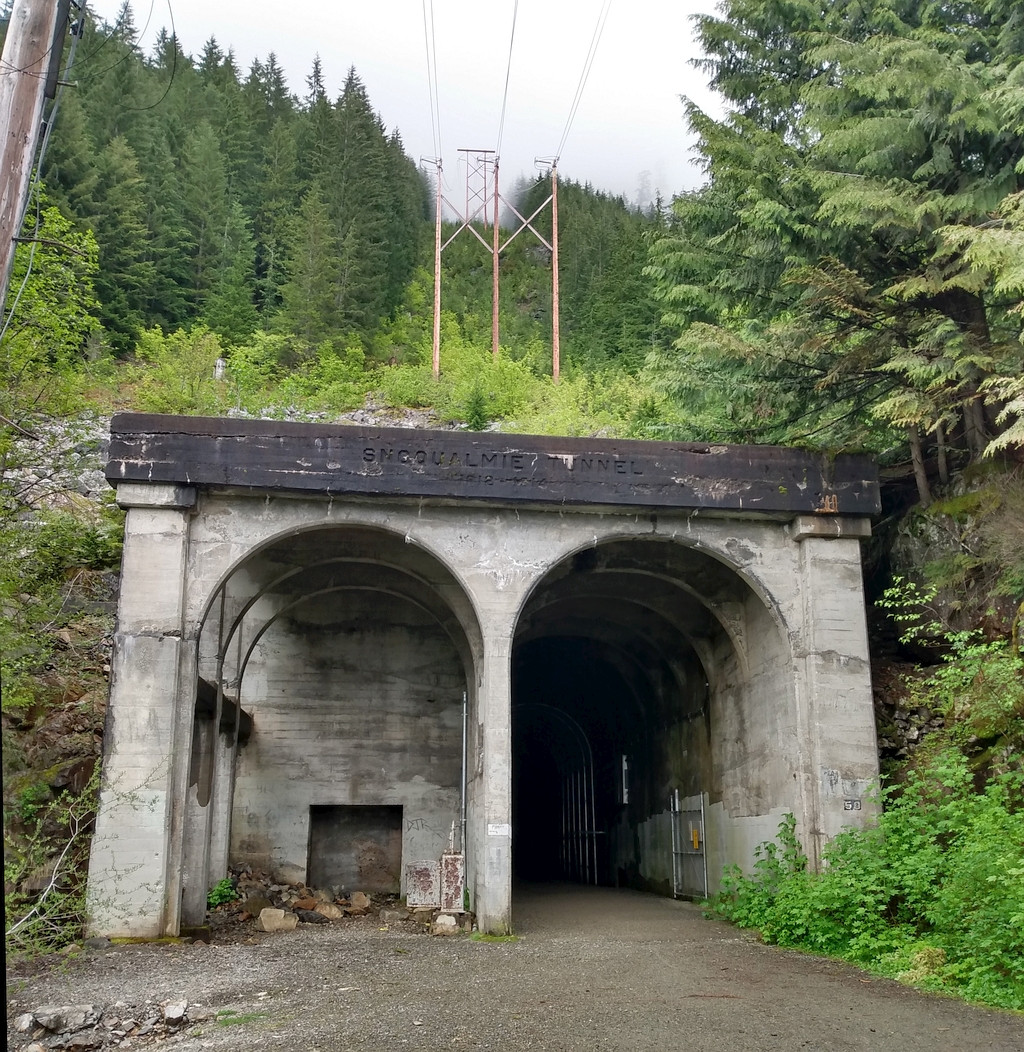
[(850, 275)]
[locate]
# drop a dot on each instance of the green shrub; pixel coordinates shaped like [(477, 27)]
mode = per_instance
[(221, 892), (177, 373), (934, 894), (54, 845)]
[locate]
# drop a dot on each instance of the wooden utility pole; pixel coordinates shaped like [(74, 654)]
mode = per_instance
[(31, 39)]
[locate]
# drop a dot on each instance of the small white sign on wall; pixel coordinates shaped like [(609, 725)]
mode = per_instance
[(499, 829)]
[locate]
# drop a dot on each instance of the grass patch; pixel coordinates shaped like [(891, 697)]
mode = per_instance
[(229, 1017), (481, 936)]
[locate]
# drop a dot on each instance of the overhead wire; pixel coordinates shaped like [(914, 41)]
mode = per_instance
[(588, 63), (39, 75), (174, 67), (430, 43), (133, 47), (508, 74)]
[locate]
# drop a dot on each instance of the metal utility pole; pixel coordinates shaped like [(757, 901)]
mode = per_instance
[(477, 200), (437, 275), (495, 256), (24, 71), (555, 355)]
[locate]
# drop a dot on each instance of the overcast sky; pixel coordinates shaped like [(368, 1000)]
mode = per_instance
[(628, 135)]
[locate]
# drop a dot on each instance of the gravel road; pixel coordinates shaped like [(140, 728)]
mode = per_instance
[(592, 969)]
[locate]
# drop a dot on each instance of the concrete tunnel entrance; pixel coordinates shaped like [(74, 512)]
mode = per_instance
[(630, 700), (660, 645)]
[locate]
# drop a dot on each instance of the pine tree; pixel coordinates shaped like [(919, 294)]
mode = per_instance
[(230, 309), (310, 296), (206, 207), (118, 221), (811, 267)]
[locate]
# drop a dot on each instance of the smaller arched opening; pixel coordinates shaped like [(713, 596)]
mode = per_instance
[(352, 655)]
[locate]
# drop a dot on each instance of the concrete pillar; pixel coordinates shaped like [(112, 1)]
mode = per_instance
[(134, 869), (491, 819), (225, 756), (197, 821), (839, 762)]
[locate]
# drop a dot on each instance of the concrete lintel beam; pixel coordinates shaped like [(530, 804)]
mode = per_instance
[(155, 495), (829, 526), (344, 460)]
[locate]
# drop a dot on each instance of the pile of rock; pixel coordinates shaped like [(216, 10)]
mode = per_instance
[(59, 463), (902, 722), (275, 906), (120, 1025)]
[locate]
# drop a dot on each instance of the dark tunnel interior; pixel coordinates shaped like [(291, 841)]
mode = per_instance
[(574, 716)]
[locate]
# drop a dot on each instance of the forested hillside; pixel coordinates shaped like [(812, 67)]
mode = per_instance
[(849, 276), (293, 237)]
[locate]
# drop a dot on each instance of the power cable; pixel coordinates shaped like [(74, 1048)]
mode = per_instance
[(602, 18), (430, 42), (76, 36), (33, 62), (133, 48), (508, 74), (125, 11), (174, 67)]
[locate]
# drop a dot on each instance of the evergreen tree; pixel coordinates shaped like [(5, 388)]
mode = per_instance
[(118, 219), (230, 309), (810, 275), (310, 296), (279, 184), (206, 207)]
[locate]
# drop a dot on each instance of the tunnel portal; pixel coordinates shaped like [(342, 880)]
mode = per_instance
[(351, 654)]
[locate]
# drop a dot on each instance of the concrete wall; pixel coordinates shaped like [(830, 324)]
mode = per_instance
[(361, 703), (356, 700)]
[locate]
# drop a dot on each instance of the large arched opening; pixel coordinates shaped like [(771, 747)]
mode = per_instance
[(350, 656), (650, 683)]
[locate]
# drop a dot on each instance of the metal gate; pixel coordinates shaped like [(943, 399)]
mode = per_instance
[(689, 861)]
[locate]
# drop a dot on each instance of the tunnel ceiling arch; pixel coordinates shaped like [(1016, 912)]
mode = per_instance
[(325, 560)]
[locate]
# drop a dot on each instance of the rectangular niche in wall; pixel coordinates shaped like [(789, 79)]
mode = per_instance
[(358, 848)]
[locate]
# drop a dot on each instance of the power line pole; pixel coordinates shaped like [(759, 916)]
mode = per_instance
[(24, 70), (436, 359), (478, 196), (555, 325), (495, 269)]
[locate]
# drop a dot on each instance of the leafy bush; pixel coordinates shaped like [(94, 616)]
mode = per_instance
[(934, 894), (178, 373), (40, 561), (45, 868), (221, 892)]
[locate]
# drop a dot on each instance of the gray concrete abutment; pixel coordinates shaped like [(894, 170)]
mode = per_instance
[(313, 620)]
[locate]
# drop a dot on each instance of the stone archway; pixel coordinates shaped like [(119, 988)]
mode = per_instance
[(344, 636)]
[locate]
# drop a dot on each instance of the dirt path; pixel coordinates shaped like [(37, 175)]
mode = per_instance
[(592, 969)]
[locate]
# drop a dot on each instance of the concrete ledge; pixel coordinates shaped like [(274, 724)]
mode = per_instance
[(831, 526), (155, 495)]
